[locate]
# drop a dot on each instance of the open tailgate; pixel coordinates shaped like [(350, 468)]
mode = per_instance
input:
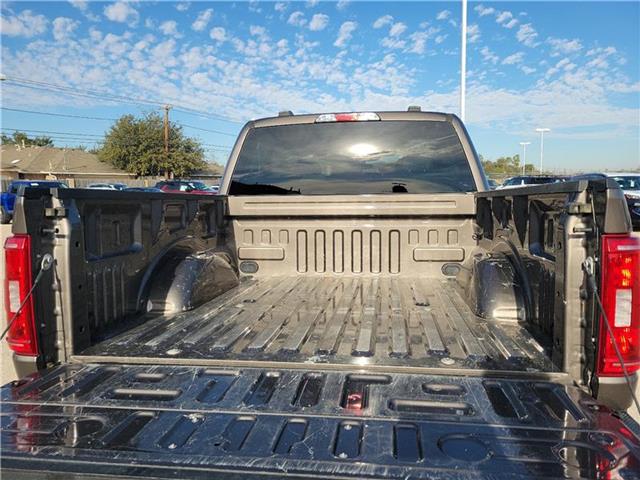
[(106, 421)]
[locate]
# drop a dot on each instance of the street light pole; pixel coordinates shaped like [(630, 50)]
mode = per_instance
[(542, 132), (524, 155), (463, 62)]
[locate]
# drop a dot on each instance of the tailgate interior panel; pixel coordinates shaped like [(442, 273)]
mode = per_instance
[(199, 422)]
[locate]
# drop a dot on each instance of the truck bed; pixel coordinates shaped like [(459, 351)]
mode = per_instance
[(375, 321)]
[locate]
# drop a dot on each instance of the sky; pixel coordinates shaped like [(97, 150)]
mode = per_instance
[(572, 67)]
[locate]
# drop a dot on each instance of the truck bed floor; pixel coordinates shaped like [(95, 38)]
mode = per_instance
[(354, 320)]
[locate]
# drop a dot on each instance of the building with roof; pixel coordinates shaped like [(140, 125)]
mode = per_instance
[(76, 167)]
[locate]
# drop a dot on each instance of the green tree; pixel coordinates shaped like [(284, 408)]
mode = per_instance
[(506, 166), (137, 146), (21, 138)]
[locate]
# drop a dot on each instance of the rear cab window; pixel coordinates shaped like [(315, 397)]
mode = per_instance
[(352, 158)]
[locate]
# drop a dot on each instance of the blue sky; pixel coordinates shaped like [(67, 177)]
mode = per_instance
[(568, 66)]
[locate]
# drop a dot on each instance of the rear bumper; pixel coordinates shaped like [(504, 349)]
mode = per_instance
[(24, 365), (614, 392)]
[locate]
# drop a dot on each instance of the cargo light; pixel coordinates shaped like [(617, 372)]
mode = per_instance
[(21, 337), (347, 117), (620, 290)]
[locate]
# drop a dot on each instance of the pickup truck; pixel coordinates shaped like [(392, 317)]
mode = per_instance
[(355, 303)]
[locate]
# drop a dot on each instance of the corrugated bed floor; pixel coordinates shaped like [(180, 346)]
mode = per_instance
[(361, 321)]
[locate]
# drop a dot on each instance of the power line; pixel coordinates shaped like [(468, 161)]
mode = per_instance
[(58, 114), (25, 82), (207, 130), (77, 134), (99, 135), (66, 115)]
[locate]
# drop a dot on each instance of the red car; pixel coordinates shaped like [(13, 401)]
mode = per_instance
[(184, 186)]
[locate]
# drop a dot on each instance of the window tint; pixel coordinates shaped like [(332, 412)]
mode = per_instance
[(352, 158)]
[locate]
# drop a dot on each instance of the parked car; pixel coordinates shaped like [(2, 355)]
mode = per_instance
[(107, 186), (213, 189), (316, 320), (492, 183), (629, 184), (530, 180), (7, 199), (143, 189), (184, 186)]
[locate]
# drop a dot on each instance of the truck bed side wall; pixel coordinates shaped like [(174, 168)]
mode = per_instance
[(110, 248)]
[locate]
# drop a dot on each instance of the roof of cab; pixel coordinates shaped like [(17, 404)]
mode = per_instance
[(311, 118)]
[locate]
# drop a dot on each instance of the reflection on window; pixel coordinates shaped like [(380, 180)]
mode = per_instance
[(352, 158)]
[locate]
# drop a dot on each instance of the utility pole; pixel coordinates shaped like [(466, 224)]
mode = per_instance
[(463, 62), (542, 131), (167, 173), (524, 155)]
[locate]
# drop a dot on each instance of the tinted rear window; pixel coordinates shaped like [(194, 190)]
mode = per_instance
[(352, 158)]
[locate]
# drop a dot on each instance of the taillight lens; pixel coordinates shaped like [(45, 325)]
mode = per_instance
[(347, 117), (22, 334), (620, 293)]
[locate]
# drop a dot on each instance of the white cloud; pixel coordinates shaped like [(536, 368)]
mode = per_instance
[(488, 55), (482, 10), (473, 33), (564, 64), (63, 27), (258, 31), (297, 19), (218, 34), (443, 15), (527, 35), (25, 24), (318, 22), (564, 46), (170, 27), (527, 70), (419, 42), (342, 4), (312, 3), (513, 59), (382, 21), (280, 7), (83, 6), (601, 51), (203, 20), (397, 29), (345, 33), (504, 16), (393, 42), (511, 23), (121, 12), (183, 6), (440, 38)]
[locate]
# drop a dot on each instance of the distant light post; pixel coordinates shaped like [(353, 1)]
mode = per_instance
[(542, 131), (524, 155)]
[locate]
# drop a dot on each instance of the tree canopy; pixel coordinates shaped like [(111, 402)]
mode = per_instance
[(506, 165), (22, 139), (137, 146)]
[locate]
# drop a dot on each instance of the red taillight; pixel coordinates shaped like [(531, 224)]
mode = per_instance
[(22, 334), (620, 293)]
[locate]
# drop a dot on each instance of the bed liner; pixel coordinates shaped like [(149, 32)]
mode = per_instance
[(134, 421), (408, 322)]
